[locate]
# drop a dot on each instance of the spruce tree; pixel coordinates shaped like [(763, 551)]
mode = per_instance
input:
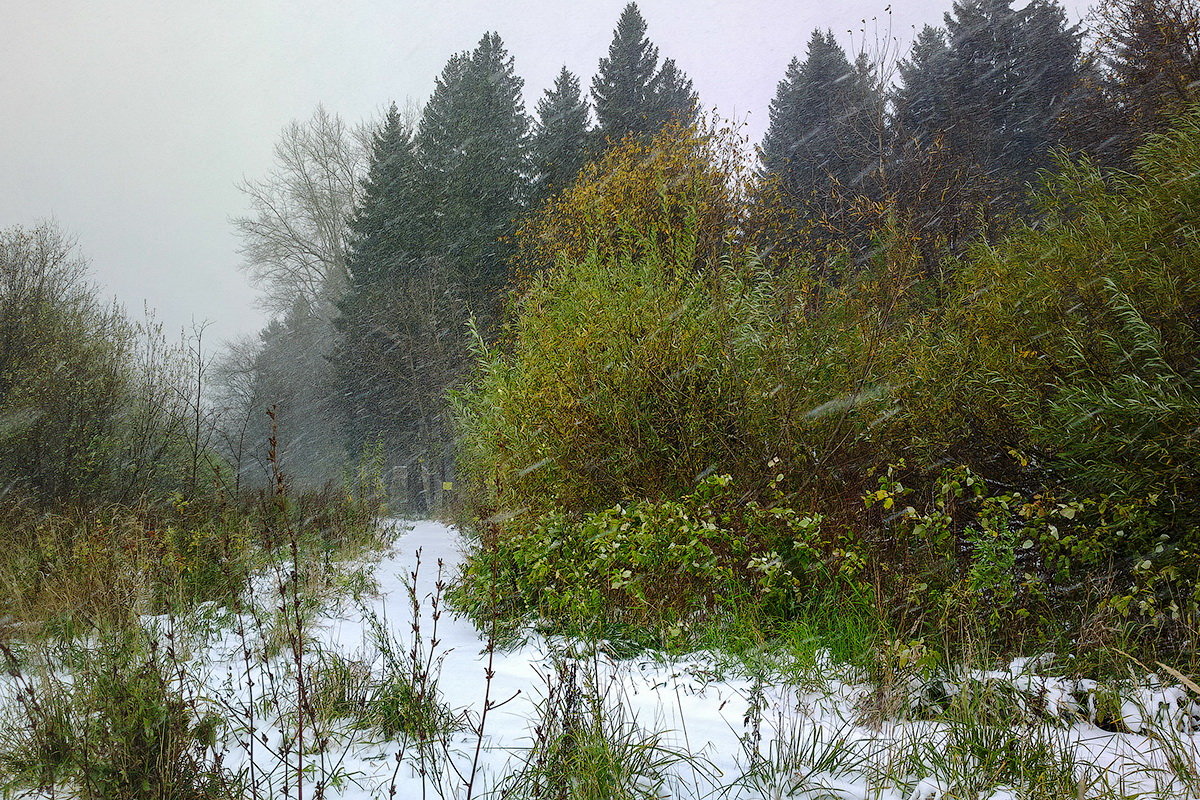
[(427, 245), (1143, 71), (920, 107), (936, 191), (388, 231), (1155, 60), (293, 370), (821, 120), (975, 118), (473, 149), (673, 97), (992, 87), (823, 141), (559, 144), (389, 221), (632, 94)]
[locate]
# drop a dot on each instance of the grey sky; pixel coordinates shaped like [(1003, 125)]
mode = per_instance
[(131, 121)]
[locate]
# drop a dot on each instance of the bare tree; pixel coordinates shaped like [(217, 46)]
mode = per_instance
[(294, 240), (236, 395)]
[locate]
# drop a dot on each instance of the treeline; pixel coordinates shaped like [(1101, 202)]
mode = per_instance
[(988, 395), (384, 254), (94, 407), (119, 493)]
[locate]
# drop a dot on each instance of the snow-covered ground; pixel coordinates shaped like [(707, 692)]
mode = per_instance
[(716, 733)]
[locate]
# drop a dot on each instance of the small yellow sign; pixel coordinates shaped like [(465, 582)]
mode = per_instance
[(447, 486)]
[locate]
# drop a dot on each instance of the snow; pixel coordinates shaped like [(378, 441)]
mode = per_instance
[(804, 741)]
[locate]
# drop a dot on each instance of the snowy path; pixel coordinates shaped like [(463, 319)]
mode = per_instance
[(658, 696), (695, 710), (813, 741)]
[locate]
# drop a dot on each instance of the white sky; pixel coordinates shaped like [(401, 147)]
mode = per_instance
[(130, 122)]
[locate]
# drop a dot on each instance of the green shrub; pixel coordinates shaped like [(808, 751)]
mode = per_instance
[(1059, 366), (1077, 374), (665, 568)]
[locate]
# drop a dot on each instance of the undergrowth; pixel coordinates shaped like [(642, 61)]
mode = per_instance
[(1007, 445)]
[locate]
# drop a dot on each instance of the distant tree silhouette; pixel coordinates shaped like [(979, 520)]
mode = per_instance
[(823, 141)]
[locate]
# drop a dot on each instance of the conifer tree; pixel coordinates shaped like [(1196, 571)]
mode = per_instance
[(388, 231), (674, 98), (560, 137), (632, 94), (975, 118), (920, 107), (1155, 61), (1143, 71), (821, 121), (823, 141), (935, 188), (473, 149), (991, 85), (388, 222), (427, 246)]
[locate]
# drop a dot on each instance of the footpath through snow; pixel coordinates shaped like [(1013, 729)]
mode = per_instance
[(743, 738)]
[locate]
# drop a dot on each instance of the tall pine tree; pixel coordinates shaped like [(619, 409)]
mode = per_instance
[(428, 245), (936, 191), (559, 144), (1155, 59), (823, 141), (992, 92), (632, 93), (1143, 71), (388, 231), (390, 221), (473, 149), (823, 121), (673, 97), (919, 102)]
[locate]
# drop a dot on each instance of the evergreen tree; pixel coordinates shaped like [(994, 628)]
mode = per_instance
[(1155, 62), (428, 243), (823, 121), (991, 88), (632, 94), (560, 138), (388, 230), (290, 370), (673, 97), (473, 149), (920, 104), (823, 141), (1143, 72), (975, 118), (389, 221)]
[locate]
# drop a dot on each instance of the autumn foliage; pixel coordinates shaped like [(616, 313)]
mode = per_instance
[(685, 184)]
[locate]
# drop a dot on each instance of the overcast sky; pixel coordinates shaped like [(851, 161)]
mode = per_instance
[(130, 122)]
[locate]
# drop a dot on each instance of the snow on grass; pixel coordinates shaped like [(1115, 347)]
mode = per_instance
[(688, 727)]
